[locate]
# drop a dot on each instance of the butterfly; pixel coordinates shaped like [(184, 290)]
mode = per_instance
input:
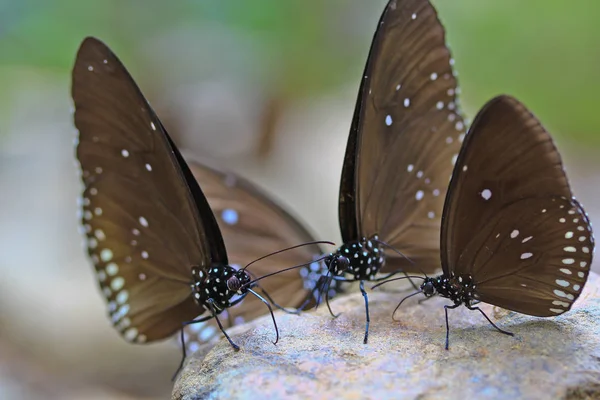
[(156, 246), (404, 139), (513, 235), (253, 224)]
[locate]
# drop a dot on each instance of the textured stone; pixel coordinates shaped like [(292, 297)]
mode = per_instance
[(321, 357)]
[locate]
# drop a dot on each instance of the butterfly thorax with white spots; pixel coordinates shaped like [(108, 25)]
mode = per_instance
[(460, 289), (362, 259), (218, 285)]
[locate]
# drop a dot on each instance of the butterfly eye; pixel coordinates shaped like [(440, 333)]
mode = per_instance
[(342, 263), (234, 283), (428, 289)]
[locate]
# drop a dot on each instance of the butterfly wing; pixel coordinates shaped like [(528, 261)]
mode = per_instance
[(532, 257), (144, 231), (254, 225), (405, 135), (509, 218)]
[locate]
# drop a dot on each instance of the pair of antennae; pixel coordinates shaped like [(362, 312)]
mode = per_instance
[(290, 268), (287, 249)]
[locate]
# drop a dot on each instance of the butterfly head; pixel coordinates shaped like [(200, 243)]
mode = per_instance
[(238, 282), (428, 287), (337, 263)]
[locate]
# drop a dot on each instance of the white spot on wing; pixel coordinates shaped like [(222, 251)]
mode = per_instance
[(112, 269), (562, 282), (525, 256), (106, 255), (117, 283), (486, 194), (131, 334)]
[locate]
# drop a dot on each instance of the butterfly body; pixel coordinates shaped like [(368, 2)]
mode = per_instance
[(459, 289), (363, 260), (215, 288)]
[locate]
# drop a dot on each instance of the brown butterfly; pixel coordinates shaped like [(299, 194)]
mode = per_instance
[(403, 143), (155, 243), (513, 235), (253, 224)]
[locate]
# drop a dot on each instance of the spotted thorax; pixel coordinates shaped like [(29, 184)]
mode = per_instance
[(216, 288), (361, 259), (459, 289)]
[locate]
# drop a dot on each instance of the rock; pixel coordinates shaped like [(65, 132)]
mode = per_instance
[(321, 357)]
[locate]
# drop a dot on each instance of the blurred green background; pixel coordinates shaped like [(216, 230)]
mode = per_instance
[(265, 86)]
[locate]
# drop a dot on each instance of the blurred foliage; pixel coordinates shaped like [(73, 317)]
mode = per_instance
[(543, 52)]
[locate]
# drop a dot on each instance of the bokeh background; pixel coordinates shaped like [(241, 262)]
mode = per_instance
[(266, 88)]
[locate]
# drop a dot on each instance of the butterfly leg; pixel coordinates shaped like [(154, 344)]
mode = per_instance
[(214, 312), (229, 319), (183, 346), (270, 310), (327, 300), (362, 290), (424, 299), (446, 308), (325, 288), (490, 321), (318, 287)]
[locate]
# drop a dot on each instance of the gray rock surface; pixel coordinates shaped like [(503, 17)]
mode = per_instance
[(319, 357)]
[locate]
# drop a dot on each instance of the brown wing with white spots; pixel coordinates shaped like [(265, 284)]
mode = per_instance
[(142, 224), (404, 137), (532, 257), (507, 156), (253, 225)]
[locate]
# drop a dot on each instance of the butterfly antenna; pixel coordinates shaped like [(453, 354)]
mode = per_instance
[(183, 345), (402, 301), (287, 249), (270, 299), (271, 311), (402, 255), (284, 270), (397, 279)]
